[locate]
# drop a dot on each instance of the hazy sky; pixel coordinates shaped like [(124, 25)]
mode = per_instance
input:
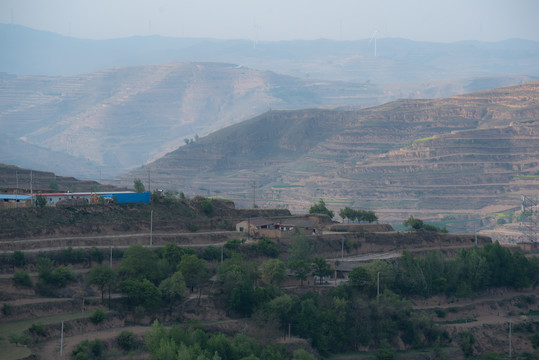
[(424, 20)]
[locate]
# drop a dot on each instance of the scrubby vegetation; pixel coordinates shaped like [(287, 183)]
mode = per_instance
[(245, 280)]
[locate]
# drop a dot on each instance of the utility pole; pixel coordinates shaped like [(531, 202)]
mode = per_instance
[(151, 228), (254, 190), (62, 340), (378, 289), (149, 181), (31, 188), (510, 340)]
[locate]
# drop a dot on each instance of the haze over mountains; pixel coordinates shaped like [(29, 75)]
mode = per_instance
[(123, 103), (113, 120), (32, 52)]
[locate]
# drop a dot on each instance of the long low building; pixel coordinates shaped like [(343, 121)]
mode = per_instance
[(120, 197), (14, 200)]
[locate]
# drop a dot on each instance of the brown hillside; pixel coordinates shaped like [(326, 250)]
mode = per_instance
[(474, 153)]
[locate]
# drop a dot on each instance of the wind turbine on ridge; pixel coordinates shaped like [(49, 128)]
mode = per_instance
[(375, 38)]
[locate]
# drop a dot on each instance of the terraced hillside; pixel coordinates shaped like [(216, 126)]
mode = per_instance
[(114, 120), (466, 154)]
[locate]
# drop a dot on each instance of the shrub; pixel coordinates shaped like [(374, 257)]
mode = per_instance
[(7, 309), (467, 341), (19, 259), (98, 316), (21, 278), (89, 350), (127, 341), (233, 244), (440, 312), (17, 339), (41, 201), (206, 206), (535, 340), (38, 329), (211, 253), (97, 255), (267, 247), (193, 227), (385, 352)]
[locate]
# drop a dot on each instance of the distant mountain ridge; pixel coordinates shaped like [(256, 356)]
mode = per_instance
[(32, 52), (129, 101), (112, 121), (475, 153)]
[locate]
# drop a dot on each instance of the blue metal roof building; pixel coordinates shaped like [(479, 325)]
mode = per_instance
[(124, 198)]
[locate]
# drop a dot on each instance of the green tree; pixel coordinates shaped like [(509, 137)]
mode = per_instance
[(139, 262), (173, 287), (206, 206), (195, 272), (22, 338), (384, 352), (360, 278), (301, 354), (413, 223), (467, 340), (267, 247), (321, 268), (127, 341), (143, 293), (101, 276), (236, 277), (301, 269), (44, 267), (321, 208), (19, 259), (274, 270), (22, 278), (347, 213), (98, 316), (138, 186), (172, 254), (300, 249), (41, 201), (96, 255)]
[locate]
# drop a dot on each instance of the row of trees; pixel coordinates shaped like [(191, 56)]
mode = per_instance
[(358, 215), (418, 224), (348, 317), (192, 343), (346, 213), (470, 271)]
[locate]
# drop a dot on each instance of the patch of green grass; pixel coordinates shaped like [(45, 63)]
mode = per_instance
[(20, 326), (425, 139), (506, 213), (12, 352)]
